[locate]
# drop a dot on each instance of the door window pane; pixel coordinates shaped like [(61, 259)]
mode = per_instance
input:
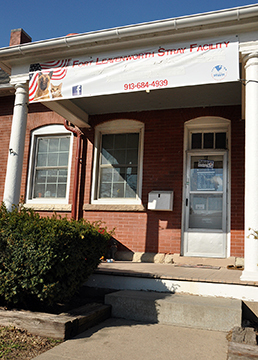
[(208, 140), (220, 140), (206, 173), (205, 211), (197, 141)]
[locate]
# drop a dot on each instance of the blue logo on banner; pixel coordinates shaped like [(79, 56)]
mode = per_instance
[(77, 90), (219, 72)]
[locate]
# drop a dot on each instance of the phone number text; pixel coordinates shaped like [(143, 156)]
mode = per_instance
[(146, 85)]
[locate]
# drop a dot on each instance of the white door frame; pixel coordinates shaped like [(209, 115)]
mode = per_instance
[(207, 124), (208, 236)]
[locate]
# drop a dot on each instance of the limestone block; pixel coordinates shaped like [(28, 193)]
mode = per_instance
[(168, 259)]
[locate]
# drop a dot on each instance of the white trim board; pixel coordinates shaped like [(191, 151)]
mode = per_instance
[(234, 291)]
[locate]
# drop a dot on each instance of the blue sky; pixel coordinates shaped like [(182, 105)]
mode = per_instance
[(55, 18)]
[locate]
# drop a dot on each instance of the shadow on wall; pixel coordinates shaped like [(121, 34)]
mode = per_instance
[(122, 247), (157, 222), (159, 226)]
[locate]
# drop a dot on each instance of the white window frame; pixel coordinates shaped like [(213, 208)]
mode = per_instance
[(47, 131), (121, 126)]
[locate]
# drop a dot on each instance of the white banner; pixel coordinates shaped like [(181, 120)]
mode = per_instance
[(165, 66)]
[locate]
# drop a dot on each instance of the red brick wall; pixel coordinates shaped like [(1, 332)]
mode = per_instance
[(6, 105), (162, 170)]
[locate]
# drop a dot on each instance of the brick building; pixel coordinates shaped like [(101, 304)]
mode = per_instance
[(150, 128)]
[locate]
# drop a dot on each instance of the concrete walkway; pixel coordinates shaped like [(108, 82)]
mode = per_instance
[(117, 339)]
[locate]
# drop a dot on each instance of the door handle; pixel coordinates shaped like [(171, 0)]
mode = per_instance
[(186, 202)]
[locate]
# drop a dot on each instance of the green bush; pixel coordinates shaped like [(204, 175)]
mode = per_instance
[(46, 260)]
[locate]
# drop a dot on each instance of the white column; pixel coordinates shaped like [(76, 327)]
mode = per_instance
[(16, 146), (251, 167)]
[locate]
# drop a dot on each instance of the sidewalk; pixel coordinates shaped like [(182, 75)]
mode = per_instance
[(117, 339)]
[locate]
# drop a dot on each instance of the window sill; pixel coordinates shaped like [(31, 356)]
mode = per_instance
[(113, 207), (49, 207)]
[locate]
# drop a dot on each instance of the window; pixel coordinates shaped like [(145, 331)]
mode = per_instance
[(209, 140), (119, 166), (118, 162), (49, 168)]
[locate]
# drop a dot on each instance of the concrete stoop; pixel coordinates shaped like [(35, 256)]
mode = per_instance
[(176, 309)]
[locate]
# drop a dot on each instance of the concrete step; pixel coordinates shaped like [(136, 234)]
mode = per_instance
[(176, 309)]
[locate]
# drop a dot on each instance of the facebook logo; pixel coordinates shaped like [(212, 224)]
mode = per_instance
[(77, 90)]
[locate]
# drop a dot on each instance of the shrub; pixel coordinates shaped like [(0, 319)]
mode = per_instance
[(46, 260)]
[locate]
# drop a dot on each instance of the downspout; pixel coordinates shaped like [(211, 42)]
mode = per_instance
[(79, 134)]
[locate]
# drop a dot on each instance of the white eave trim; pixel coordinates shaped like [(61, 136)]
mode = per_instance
[(215, 19), (7, 89), (6, 86)]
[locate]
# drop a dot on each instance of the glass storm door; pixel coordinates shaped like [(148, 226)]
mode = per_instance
[(205, 207)]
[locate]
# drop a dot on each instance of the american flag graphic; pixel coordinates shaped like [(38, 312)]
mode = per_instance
[(58, 67)]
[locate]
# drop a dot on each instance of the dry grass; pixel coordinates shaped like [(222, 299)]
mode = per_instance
[(19, 344)]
